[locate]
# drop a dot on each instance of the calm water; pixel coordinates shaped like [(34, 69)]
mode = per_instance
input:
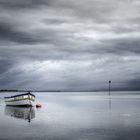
[(73, 116)]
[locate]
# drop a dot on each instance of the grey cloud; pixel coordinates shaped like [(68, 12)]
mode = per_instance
[(134, 84), (70, 44), (9, 33), (124, 46), (17, 4), (5, 65), (54, 21)]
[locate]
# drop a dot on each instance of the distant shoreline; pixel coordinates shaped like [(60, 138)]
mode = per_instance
[(62, 90)]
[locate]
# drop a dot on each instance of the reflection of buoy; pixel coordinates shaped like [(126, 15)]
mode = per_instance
[(38, 105)]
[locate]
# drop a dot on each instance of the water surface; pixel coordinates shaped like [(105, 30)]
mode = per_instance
[(73, 116)]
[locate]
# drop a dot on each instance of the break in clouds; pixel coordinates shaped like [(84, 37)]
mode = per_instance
[(69, 44)]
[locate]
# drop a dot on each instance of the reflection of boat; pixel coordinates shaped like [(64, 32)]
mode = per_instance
[(25, 113), (26, 99)]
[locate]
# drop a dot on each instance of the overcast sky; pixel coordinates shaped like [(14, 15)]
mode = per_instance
[(69, 44)]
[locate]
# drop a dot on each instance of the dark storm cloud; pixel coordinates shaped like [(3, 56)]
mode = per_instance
[(17, 4), (134, 83), (121, 47), (128, 46), (70, 44), (10, 34), (5, 65)]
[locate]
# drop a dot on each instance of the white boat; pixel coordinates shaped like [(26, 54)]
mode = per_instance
[(26, 99)]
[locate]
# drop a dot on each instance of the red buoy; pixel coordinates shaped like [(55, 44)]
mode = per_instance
[(38, 105)]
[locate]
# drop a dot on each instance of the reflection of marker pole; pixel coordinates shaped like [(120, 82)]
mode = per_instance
[(109, 87)]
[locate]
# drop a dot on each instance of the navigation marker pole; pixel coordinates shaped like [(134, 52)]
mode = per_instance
[(109, 86)]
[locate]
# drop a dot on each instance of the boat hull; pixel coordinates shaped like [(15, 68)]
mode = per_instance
[(20, 100), (20, 103)]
